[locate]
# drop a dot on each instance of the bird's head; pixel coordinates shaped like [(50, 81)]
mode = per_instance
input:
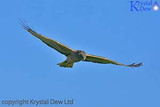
[(81, 54)]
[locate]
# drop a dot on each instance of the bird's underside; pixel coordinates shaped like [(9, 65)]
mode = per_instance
[(73, 55)]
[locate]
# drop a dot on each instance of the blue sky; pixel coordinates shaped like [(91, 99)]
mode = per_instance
[(28, 67)]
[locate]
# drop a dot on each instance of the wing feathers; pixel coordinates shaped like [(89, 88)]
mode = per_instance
[(102, 60), (52, 43)]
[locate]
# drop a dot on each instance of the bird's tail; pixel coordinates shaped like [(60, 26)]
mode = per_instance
[(66, 64)]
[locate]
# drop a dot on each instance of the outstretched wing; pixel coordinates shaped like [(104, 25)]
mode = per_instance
[(102, 60), (50, 42)]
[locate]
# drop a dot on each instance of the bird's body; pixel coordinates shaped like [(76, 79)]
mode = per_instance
[(73, 55), (76, 56)]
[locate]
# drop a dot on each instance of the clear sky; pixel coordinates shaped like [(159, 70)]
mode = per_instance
[(28, 67)]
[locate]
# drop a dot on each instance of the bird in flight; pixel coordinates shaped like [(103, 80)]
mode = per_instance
[(73, 55)]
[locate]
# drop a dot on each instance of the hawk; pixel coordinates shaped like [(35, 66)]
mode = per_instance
[(73, 55)]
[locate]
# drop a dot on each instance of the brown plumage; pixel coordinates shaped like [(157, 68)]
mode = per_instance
[(73, 55)]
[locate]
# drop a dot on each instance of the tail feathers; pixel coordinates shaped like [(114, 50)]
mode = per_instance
[(66, 64)]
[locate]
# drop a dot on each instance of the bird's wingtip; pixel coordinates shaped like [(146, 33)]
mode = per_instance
[(135, 65), (24, 25)]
